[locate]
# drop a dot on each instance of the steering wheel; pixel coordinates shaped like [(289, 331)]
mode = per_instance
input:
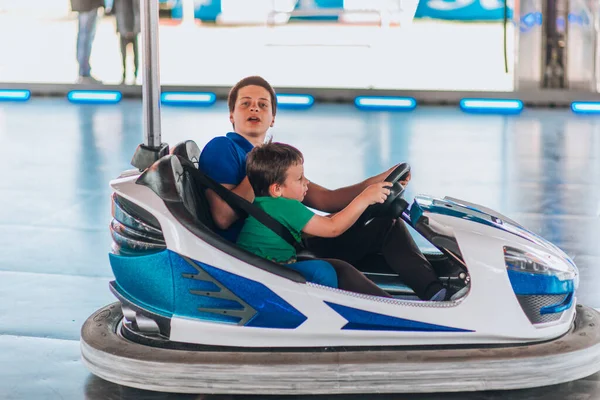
[(390, 207)]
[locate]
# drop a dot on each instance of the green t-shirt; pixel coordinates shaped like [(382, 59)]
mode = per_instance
[(260, 240)]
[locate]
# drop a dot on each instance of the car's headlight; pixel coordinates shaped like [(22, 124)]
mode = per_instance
[(535, 262)]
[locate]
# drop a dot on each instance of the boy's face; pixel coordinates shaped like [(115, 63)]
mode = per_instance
[(295, 185), (252, 114)]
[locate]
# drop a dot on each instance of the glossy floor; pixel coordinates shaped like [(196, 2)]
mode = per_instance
[(541, 168)]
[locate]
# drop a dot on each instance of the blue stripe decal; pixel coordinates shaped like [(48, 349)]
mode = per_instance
[(370, 321), (142, 304), (145, 280), (271, 310), (167, 284), (528, 284), (188, 303)]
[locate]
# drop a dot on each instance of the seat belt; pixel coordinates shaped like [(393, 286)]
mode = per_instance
[(240, 203)]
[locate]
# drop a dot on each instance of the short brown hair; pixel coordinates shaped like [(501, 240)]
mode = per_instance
[(252, 81), (268, 164)]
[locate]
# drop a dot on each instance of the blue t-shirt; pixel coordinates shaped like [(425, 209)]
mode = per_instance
[(224, 160)]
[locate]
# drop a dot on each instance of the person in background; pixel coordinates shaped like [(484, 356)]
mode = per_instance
[(87, 16), (127, 13)]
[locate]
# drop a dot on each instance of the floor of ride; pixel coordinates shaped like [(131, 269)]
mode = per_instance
[(541, 168)]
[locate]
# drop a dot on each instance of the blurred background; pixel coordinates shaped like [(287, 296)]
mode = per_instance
[(451, 45)]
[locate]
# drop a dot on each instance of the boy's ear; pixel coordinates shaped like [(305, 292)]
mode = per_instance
[(275, 190)]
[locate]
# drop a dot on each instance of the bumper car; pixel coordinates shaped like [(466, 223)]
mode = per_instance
[(196, 314)]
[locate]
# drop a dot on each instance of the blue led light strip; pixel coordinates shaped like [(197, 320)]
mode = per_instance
[(295, 100), (507, 106), (188, 98), (385, 103), (586, 107), (15, 94), (94, 96)]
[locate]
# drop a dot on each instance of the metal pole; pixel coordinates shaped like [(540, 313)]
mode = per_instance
[(152, 149), (151, 73)]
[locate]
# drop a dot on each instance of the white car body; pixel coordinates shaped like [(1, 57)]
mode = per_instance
[(490, 313)]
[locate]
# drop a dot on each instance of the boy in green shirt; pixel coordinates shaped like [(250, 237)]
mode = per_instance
[(276, 173)]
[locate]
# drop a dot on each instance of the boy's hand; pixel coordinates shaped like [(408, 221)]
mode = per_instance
[(375, 193)]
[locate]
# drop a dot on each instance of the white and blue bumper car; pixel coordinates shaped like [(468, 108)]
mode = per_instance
[(196, 314)]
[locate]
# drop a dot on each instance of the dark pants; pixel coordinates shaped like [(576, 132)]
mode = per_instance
[(352, 280), (136, 59), (392, 239)]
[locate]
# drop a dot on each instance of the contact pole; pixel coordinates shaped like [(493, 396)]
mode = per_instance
[(152, 148), (151, 73)]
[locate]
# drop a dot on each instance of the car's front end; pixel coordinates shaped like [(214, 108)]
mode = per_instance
[(523, 285)]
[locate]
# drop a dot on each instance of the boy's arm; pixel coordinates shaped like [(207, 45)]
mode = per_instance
[(220, 161), (335, 225), (222, 214), (329, 200)]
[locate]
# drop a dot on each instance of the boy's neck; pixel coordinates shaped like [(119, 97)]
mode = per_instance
[(277, 197), (254, 140)]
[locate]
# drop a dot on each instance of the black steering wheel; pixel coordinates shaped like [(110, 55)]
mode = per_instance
[(390, 207)]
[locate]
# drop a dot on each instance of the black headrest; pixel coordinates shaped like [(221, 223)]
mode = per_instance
[(170, 179), (162, 177), (187, 150)]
